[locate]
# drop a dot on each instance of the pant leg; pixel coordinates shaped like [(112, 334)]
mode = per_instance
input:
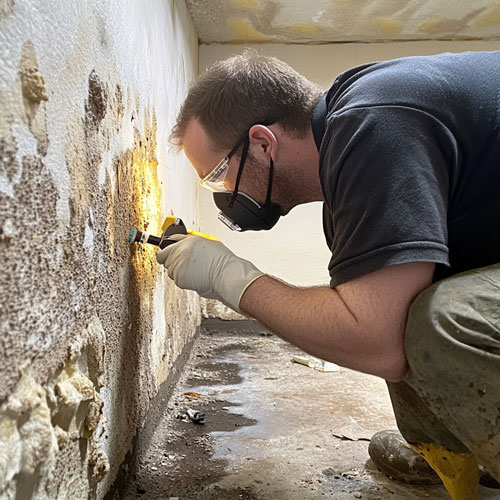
[(451, 394), (417, 423)]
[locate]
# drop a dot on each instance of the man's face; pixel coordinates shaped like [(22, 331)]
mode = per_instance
[(255, 175)]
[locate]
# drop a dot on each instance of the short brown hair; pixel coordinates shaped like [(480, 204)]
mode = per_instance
[(234, 94)]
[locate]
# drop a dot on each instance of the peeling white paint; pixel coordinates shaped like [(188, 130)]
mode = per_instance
[(26, 145), (8, 229), (159, 341), (88, 242), (124, 136), (6, 186)]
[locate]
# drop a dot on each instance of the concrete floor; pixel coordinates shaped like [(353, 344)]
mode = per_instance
[(274, 429)]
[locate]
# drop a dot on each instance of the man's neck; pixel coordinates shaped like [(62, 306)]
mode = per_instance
[(306, 180)]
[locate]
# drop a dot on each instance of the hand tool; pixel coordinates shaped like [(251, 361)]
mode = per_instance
[(171, 225), (196, 416)]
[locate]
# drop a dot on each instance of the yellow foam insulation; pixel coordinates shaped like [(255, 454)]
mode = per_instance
[(247, 4), (243, 30), (325, 21), (34, 95), (432, 26), (389, 27), (27, 439), (38, 421), (32, 82), (490, 17), (304, 30)]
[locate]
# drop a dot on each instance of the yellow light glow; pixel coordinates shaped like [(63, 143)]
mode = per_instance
[(147, 196)]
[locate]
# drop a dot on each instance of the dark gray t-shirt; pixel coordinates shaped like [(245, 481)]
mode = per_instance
[(410, 164)]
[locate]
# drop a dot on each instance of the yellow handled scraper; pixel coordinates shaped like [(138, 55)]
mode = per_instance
[(172, 225)]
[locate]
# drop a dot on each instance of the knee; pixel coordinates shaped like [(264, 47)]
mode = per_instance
[(430, 326)]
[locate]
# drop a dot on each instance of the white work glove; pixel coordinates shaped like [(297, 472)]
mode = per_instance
[(209, 268)]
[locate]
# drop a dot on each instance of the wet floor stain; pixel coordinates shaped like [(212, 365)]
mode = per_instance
[(273, 429)]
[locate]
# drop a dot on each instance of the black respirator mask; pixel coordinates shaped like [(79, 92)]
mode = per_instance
[(239, 211)]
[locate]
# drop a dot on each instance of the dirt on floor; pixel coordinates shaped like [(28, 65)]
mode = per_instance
[(273, 429)]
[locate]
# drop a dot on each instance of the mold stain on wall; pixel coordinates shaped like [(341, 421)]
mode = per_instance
[(77, 316), (124, 277), (134, 199)]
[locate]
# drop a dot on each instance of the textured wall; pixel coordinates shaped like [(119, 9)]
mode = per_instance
[(89, 326)]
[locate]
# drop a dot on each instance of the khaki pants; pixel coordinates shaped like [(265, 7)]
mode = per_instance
[(451, 394)]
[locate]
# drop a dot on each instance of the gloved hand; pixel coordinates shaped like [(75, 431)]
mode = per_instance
[(209, 268)]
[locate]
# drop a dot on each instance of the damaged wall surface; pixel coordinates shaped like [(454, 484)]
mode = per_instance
[(89, 326)]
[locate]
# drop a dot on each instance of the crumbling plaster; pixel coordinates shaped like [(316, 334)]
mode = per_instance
[(89, 326)]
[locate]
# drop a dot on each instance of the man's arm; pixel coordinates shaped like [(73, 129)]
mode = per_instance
[(359, 324)]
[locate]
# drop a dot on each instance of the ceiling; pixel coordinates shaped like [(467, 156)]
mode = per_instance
[(326, 21)]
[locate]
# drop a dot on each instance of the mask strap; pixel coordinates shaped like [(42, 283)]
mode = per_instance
[(270, 183), (244, 153)]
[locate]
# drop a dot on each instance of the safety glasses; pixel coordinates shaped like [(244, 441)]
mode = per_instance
[(216, 178)]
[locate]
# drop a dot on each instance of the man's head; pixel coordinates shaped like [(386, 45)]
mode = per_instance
[(245, 90), (262, 106)]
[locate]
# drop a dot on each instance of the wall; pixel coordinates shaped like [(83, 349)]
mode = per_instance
[(295, 249), (89, 326)]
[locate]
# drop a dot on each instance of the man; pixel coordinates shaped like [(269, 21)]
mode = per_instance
[(405, 155)]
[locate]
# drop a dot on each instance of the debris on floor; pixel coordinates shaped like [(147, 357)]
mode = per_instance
[(317, 364), (272, 431), (352, 431)]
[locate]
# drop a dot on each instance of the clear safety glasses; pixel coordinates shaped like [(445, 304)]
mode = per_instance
[(215, 179)]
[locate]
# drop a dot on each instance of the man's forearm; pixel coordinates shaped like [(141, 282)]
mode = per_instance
[(360, 324), (321, 323)]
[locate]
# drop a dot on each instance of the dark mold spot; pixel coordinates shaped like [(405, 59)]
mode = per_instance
[(96, 105)]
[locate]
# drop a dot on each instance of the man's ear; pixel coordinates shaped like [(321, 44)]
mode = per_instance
[(263, 142)]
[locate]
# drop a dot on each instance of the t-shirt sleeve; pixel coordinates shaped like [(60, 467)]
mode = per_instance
[(386, 176)]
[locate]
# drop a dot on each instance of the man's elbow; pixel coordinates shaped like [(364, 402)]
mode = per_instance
[(394, 367)]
